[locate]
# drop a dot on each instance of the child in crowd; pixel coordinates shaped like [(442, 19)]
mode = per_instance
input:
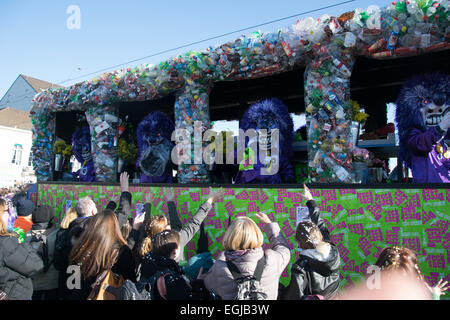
[(316, 272), (403, 261), (164, 278)]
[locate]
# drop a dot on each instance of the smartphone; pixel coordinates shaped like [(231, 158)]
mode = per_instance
[(302, 214), (139, 209)]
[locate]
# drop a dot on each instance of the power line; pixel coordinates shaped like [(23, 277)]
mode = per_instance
[(208, 39)]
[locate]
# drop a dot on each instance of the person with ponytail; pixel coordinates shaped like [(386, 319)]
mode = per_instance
[(154, 225), (186, 232)]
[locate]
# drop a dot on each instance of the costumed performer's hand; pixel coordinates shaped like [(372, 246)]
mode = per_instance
[(124, 184), (445, 122)]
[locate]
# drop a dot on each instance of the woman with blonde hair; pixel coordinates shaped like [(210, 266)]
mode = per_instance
[(18, 261), (242, 244), (95, 252), (69, 216)]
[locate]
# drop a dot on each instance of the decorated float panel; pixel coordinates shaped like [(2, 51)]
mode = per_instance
[(361, 221)]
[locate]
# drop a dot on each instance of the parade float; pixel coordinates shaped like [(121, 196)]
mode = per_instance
[(316, 66)]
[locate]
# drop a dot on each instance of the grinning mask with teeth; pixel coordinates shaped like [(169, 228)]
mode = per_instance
[(434, 108)]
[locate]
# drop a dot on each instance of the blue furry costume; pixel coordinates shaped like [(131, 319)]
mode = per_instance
[(424, 146), (81, 145), (267, 114), (154, 134)]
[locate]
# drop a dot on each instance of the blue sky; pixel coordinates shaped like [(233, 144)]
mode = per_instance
[(35, 40)]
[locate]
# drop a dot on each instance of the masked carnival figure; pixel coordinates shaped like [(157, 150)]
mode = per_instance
[(154, 134), (270, 160), (423, 120), (81, 145)]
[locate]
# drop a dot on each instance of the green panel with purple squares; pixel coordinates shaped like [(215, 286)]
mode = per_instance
[(361, 221)]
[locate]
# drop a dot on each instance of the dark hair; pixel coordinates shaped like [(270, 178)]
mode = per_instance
[(165, 242), (399, 259), (96, 245), (126, 230), (308, 235)]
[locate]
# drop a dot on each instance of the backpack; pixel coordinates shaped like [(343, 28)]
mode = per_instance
[(310, 296), (35, 241), (147, 286), (249, 287), (127, 291), (62, 250), (106, 279)]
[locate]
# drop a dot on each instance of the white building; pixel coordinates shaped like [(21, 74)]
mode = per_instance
[(16, 165)]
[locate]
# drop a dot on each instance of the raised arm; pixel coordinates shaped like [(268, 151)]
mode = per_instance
[(314, 213), (277, 240), (174, 218), (188, 231), (124, 209)]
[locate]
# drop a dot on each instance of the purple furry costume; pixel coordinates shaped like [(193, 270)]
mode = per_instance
[(421, 105), (81, 145), (154, 134), (269, 114)]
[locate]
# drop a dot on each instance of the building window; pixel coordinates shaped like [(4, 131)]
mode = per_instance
[(17, 154), (30, 159)]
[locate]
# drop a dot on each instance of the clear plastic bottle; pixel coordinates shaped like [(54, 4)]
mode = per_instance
[(341, 173)]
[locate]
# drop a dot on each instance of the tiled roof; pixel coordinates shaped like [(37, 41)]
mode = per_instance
[(39, 85), (14, 118)]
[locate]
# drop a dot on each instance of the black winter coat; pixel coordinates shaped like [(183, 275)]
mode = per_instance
[(18, 263), (313, 273)]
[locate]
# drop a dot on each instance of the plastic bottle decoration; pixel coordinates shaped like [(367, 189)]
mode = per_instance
[(191, 108), (103, 124)]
